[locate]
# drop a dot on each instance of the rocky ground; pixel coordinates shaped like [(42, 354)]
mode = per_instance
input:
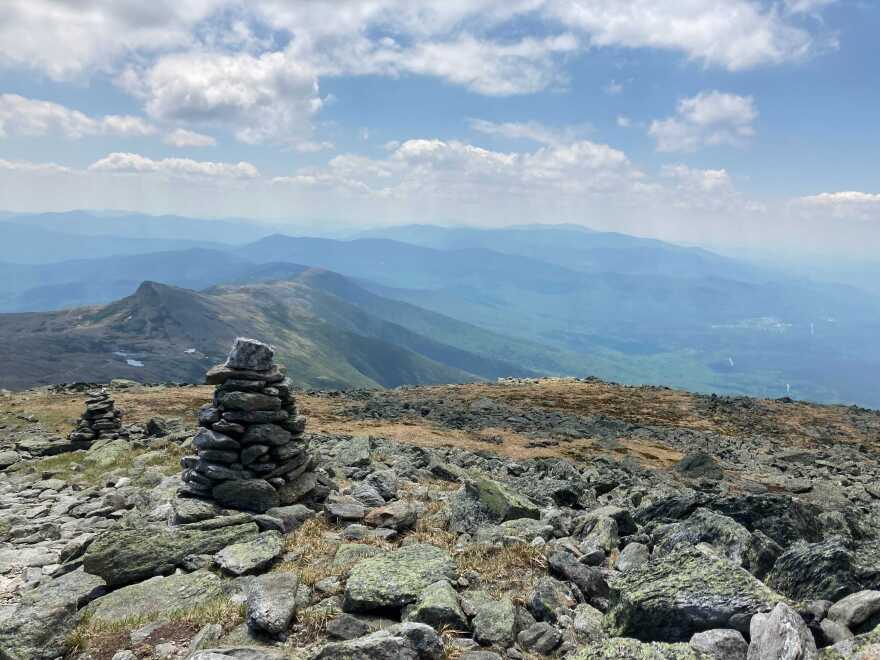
[(539, 519)]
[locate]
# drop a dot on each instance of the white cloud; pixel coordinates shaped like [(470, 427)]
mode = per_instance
[(33, 168), (266, 98), (532, 130), (182, 138), (173, 167), (470, 43), (33, 118), (708, 119), (844, 205), (807, 6)]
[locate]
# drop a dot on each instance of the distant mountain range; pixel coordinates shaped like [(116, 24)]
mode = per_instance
[(327, 330), (537, 299)]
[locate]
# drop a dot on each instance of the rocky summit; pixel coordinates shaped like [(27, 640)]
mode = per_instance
[(251, 451), (562, 519)]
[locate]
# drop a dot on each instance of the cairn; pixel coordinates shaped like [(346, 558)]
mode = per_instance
[(100, 420), (252, 454)]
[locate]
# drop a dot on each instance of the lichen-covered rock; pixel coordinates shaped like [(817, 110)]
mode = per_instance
[(721, 644), (271, 602), (685, 592), (815, 571), (495, 622), (250, 556), (781, 634), (728, 537), (438, 607), (632, 649), (165, 595), (482, 500), (130, 555), (396, 578), (35, 627)]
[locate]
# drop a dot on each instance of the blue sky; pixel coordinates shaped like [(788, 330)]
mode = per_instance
[(744, 123)]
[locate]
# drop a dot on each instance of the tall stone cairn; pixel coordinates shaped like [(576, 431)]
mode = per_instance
[(100, 420), (252, 454)]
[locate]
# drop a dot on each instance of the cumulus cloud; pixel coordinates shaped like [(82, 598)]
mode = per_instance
[(468, 43), (707, 119), (173, 167), (33, 118), (271, 97), (183, 137), (843, 205)]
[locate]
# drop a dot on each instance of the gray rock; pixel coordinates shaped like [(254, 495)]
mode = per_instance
[(271, 602), (632, 556), (250, 354), (396, 578), (721, 644), (548, 597), (495, 622), (255, 495), (855, 609), (159, 594), (815, 571), (36, 627), (482, 500), (292, 517), (782, 635), (251, 556), (438, 607), (699, 465), (247, 401), (355, 452), (126, 556), (400, 516), (540, 638), (685, 592), (266, 434)]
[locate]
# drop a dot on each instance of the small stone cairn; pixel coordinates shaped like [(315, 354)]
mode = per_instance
[(100, 420), (252, 454)]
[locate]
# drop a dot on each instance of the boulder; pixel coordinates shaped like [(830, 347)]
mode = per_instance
[(782, 635), (495, 622), (725, 535), (180, 592), (438, 607), (855, 609), (130, 555), (400, 515), (721, 644), (815, 571), (256, 495), (482, 500), (540, 638), (396, 578), (271, 602), (36, 627), (685, 592), (251, 556)]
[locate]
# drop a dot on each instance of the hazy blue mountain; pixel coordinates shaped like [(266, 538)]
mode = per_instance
[(578, 248), (164, 333)]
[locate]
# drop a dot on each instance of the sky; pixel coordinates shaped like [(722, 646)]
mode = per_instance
[(745, 124)]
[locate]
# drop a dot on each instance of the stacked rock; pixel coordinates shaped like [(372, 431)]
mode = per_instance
[(100, 420), (252, 454)]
